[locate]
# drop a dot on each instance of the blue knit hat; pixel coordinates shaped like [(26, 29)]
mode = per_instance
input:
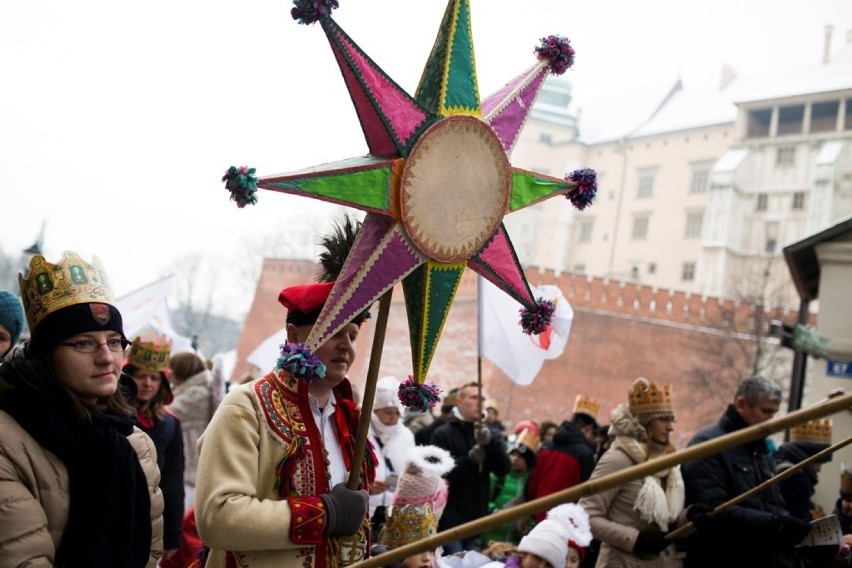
[(11, 315)]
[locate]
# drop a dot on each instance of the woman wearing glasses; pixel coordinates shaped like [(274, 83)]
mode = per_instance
[(78, 481)]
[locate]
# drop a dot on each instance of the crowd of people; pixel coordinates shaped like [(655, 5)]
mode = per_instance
[(117, 452)]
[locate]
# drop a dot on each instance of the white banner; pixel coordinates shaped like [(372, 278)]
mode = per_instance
[(503, 342)]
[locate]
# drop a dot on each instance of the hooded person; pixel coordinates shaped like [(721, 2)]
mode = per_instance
[(805, 440), (273, 462), (631, 520), (391, 440), (147, 364), (81, 483), (418, 502), (11, 321)]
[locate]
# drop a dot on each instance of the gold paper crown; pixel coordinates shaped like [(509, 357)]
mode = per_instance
[(151, 354), (586, 405), (813, 432), (529, 438), (846, 479), (51, 287), (408, 524), (648, 398)]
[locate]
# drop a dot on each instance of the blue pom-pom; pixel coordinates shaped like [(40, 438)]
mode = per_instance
[(418, 397), (534, 321), (587, 187), (298, 360), (557, 51), (310, 11), (242, 183)]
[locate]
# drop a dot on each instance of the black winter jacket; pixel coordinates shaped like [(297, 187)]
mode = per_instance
[(747, 528), (468, 482)]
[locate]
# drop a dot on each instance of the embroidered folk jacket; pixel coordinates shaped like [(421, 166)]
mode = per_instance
[(261, 469)]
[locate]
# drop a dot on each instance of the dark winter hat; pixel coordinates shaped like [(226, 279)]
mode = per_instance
[(526, 453), (70, 321), (11, 315)]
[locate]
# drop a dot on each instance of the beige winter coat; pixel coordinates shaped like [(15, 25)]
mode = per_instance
[(34, 493), (193, 405)]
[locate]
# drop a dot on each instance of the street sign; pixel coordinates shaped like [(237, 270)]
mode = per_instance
[(839, 368), (808, 340)]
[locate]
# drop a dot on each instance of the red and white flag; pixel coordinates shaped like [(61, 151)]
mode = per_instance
[(503, 342)]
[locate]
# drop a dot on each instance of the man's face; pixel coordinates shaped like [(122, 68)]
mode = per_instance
[(761, 411), (467, 402), (337, 354)]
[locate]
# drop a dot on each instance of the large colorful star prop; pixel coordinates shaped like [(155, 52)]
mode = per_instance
[(436, 184)]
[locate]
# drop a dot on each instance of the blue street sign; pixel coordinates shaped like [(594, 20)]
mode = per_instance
[(839, 368)]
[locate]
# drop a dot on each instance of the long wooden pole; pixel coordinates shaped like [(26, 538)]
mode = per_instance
[(572, 494), (370, 388), (685, 529)]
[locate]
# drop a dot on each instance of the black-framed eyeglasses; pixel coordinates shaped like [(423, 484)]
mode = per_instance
[(116, 345)]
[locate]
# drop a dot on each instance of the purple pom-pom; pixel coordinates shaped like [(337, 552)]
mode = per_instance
[(298, 360), (310, 11), (536, 320), (242, 183), (587, 187), (418, 397), (557, 51)]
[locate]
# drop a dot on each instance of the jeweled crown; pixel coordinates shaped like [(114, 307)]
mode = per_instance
[(408, 524), (150, 354), (816, 431), (50, 287), (649, 398), (586, 405)]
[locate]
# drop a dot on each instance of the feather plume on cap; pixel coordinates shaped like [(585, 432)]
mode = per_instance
[(337, 244)]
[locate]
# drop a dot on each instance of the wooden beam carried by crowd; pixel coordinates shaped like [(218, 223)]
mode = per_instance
[(835, 403), (685, 529)]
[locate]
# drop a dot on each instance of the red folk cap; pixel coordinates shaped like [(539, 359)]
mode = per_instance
[(304, 302)]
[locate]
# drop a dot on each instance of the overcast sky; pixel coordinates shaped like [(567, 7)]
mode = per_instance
[(117, 119)]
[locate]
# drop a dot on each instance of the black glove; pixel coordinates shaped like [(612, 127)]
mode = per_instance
[(477, 454), (651, 542), (345, 510), (698, 515), (790, 530), (483, 436)]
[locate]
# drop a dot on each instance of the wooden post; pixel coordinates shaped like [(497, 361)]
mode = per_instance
[(370, 389)]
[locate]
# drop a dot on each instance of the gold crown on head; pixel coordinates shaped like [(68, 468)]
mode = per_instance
[(408, 524), (50, 287), (816, 431), (150, 354), (586, 405), (649, 398)]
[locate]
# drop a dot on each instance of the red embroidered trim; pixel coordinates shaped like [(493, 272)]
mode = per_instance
[(307, 519)]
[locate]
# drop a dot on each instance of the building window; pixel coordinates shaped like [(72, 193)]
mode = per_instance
[(771, 231), (579, 269), (700, 178), (785, 156), (790, 119), (687, 272), (646, 184), (758, 123), (586, 231), (652, 268), (847, 120), (762, 202), (640, 228), (545, 138), (799, 200), (824, 116), (693, 225)]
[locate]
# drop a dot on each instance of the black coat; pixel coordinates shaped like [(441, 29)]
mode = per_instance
[(468, 482), (570, 440), (168, 440), (746, 528), (798, 488)]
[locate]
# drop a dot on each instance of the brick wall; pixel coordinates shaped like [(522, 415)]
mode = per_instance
[(620, 331)]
